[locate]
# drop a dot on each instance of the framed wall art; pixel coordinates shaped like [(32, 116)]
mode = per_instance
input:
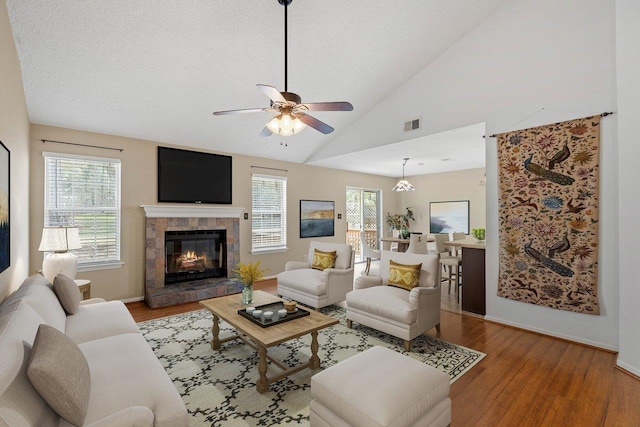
[(5, 241), (316, 218), (445, 217)]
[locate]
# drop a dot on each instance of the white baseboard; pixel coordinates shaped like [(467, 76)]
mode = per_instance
[(632, 369), (554, 334), (134, 299)]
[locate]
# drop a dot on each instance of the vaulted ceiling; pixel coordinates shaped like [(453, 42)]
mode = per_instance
[(156, 70)]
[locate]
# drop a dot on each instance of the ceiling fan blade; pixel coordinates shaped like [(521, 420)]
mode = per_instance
[(315, 123), (328, 106), (265, 132), (247, 110), (272, 93)]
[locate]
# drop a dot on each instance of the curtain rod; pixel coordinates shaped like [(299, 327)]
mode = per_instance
[(264, 167), (605, 114), (82, 145)]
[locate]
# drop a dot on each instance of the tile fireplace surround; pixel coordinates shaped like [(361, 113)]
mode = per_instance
[(160, 218)]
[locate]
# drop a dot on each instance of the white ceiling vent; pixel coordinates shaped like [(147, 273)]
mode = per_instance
[(412, 125)]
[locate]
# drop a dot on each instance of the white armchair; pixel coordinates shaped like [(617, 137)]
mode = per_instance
[(398, 312), (318, 288)]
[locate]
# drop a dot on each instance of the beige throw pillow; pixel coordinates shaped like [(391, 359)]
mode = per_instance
[(59, 372), (67, 292), (404, 276), (322, 260)]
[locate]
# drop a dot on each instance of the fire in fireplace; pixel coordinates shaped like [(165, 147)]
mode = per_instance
[(194, 255)]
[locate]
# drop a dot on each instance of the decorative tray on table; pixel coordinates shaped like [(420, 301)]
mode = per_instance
[(275, 318)]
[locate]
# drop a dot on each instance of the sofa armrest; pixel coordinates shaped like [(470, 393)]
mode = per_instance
[(422, 292), (133, 416), (92, 301), (296, 265), (364, 282)]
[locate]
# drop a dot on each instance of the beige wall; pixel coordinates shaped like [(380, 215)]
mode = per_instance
[(139, 188), (446, 186), (14, 134)]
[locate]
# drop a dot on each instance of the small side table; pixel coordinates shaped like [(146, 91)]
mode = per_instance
[(84, 286)]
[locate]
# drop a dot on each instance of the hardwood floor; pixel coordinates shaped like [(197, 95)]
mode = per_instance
[(526, 379)]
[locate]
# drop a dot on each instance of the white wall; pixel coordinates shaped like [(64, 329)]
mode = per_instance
[(530, 54), (446, 186), (628, 61), (14, 134)]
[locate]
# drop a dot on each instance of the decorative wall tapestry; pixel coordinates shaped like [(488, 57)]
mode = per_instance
[(549, 215)]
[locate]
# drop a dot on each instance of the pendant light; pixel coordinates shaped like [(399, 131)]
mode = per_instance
[(403, 184)]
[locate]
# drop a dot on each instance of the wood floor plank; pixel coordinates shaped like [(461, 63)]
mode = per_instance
[(526, 379)]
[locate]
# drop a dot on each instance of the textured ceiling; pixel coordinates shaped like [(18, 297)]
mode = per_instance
[(157, 69)]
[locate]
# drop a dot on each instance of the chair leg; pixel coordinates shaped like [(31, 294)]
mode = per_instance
[(349, 324), (407, 346)]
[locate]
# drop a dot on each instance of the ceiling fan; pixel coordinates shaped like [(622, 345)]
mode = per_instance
[(292, 114)]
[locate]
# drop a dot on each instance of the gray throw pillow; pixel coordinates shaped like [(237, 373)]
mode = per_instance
[(59, 372), (67, 292)]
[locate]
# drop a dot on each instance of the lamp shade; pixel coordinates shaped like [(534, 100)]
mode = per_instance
[(59, 239), (403, 184)]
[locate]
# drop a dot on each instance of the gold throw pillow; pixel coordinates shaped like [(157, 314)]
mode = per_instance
[(322, 260), (404, 276)]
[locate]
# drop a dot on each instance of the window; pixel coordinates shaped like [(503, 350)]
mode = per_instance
[(269, 213), (85, 192)]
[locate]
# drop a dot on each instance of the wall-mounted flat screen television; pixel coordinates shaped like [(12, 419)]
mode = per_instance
[(193, 177)]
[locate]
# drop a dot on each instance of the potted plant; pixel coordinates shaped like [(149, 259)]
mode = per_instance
[(400, 222), (248, 273)]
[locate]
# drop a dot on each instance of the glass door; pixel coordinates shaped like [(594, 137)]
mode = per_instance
[(363, 214)]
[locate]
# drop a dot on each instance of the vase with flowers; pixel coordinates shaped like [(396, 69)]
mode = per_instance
[(248, 273), (400, 222)]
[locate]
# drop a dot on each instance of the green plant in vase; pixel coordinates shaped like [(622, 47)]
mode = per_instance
[(478, 233), (248, 274), (400, 222)]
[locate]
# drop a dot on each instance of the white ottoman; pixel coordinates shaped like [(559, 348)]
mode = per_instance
[(380, 387)]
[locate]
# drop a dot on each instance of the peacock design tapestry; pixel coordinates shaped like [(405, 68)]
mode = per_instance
[(548, 212)]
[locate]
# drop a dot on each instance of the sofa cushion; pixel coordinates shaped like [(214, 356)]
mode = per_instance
[(125, 372), (404, 276), (343, 252), (20, 403), (59, 371), (37, 292), (306, 280), (67, 292), (384, 301), (322, 259), (100, 320)]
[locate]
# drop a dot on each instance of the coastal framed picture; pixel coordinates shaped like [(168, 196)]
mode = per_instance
[(445, 217), (317, 218), (5, 240)]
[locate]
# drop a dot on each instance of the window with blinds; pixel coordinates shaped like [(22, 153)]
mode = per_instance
[(85, 192), (269, 213)]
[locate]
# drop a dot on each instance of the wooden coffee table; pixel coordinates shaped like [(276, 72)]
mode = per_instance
[(259, 338)]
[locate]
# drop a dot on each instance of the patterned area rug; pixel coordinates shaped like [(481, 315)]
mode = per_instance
[(218, 387)]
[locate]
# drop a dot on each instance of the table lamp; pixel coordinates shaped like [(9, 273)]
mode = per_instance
[(58, 241)]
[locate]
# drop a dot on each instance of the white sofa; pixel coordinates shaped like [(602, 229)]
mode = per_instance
[(318, 288), (128, 385)]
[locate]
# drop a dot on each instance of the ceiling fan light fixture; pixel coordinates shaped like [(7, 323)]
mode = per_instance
[(403, 184), (285, 124)]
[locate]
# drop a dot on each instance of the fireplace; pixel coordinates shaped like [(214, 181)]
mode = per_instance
[(187, 280), (195, 255)]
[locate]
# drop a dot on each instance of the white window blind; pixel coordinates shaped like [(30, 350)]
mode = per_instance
[(85, 192), (269, 212)]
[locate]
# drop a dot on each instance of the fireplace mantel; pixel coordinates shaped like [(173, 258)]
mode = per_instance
[(162, 211)]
